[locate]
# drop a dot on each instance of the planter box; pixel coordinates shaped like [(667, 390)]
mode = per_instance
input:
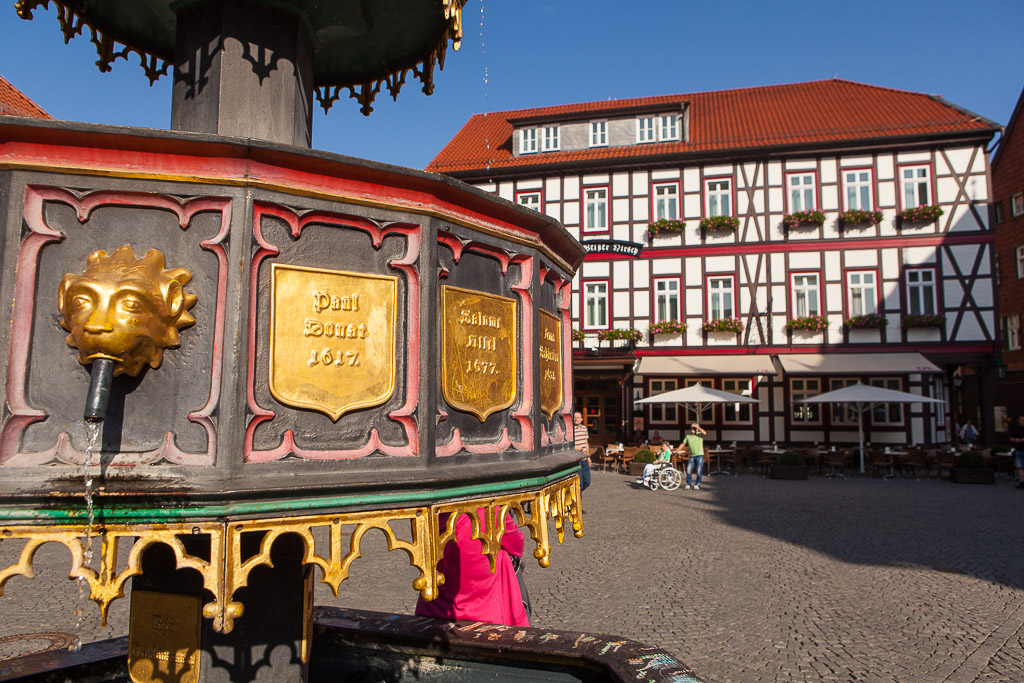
[(971, 475), (789, 471), (636, 469)]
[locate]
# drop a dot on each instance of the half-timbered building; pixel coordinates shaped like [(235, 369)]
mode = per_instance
[(777, 241)]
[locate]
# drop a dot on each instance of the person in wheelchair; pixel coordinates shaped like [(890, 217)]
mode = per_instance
[(661, 471)]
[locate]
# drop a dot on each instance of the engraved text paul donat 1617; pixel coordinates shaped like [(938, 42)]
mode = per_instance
[(332, 338)]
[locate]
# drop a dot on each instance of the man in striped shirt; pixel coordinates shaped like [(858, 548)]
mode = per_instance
[(581, 437)]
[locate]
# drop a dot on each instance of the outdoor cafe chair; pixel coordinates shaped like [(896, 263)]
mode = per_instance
[(680, 455), (628, 453), (764, 461), (914, 461), (730, 460), (602, 458), (815, 459), (944, 460), (880, 463), (838, 461)]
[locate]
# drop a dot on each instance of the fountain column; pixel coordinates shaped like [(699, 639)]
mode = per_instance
[(244, 70)]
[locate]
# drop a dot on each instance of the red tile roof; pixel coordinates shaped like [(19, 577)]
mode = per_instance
[(14, 103), (823, 112)]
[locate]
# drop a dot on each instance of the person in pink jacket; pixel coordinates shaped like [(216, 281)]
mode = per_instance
[(470, 591)]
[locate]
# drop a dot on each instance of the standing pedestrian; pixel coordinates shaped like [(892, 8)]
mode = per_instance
[(695, 442), (1017, 439), (969, 433), (581, 438), (471, 590)]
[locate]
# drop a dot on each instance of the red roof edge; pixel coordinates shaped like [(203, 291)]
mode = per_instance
[(13, 102)]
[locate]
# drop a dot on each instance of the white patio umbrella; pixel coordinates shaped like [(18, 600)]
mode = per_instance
[(699, 396), (864, 397)]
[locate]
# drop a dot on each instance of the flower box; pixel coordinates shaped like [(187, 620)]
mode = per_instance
[(578, 335), (852, 217), (803, 218), (921, 214), (808, 323), (663, 225), (627, 334), (923, 320), (667, 327), (867, 321), (719, 223), (730, 325)]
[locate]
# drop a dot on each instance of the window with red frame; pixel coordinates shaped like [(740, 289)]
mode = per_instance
[(595, 305)]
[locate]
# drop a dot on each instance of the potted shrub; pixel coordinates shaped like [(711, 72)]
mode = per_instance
[(970, 469), (642, 457), (808, 323), (867, 321), (852, 217), (728, 325), (791, 465), (665, 225), (799, 219), (719, 223), (923, 320), (920, 214), (667, 327)]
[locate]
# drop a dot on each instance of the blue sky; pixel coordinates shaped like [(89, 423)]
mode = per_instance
[(526, 53)]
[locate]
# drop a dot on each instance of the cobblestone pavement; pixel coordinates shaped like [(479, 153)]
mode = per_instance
[(749, 579)]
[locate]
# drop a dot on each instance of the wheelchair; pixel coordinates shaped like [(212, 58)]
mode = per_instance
[(665, 476)]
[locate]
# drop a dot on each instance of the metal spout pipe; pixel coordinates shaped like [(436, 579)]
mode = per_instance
[(99, 389)]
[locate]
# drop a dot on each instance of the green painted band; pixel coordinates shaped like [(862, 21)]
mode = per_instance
[(75, 514)]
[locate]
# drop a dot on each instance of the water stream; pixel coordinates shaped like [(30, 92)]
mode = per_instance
[(83, 584)]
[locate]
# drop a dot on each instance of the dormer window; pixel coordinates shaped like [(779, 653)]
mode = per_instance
[(527, 140), (550, 138), (657, 128), (598, 133), (645, 131), (668, 127)]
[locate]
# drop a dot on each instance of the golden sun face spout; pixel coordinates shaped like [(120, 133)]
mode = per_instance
[(125, 308)]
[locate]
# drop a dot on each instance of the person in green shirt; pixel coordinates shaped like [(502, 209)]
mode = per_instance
[(695, 442)]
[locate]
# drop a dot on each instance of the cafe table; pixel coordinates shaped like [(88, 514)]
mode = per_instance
[(717, 453)]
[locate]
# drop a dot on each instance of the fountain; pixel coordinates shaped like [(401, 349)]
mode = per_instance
[(311, 347)]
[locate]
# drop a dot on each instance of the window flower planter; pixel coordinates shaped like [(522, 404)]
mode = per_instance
[(803, 219), (578, 335), (667, 327), (867, 321), (729, 325), (922, 320), (920, 214), (665, 225), (808, 323), (853, 217), (719, 223), (627, 334)]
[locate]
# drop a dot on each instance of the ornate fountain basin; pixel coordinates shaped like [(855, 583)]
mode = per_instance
[(371, 344)]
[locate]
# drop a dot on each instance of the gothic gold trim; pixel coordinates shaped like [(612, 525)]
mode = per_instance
[(71, 24), (227, 569)]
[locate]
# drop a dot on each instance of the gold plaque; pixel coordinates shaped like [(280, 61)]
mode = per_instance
[(550, 364), (163, 638), (332, 338), (478, 351)]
